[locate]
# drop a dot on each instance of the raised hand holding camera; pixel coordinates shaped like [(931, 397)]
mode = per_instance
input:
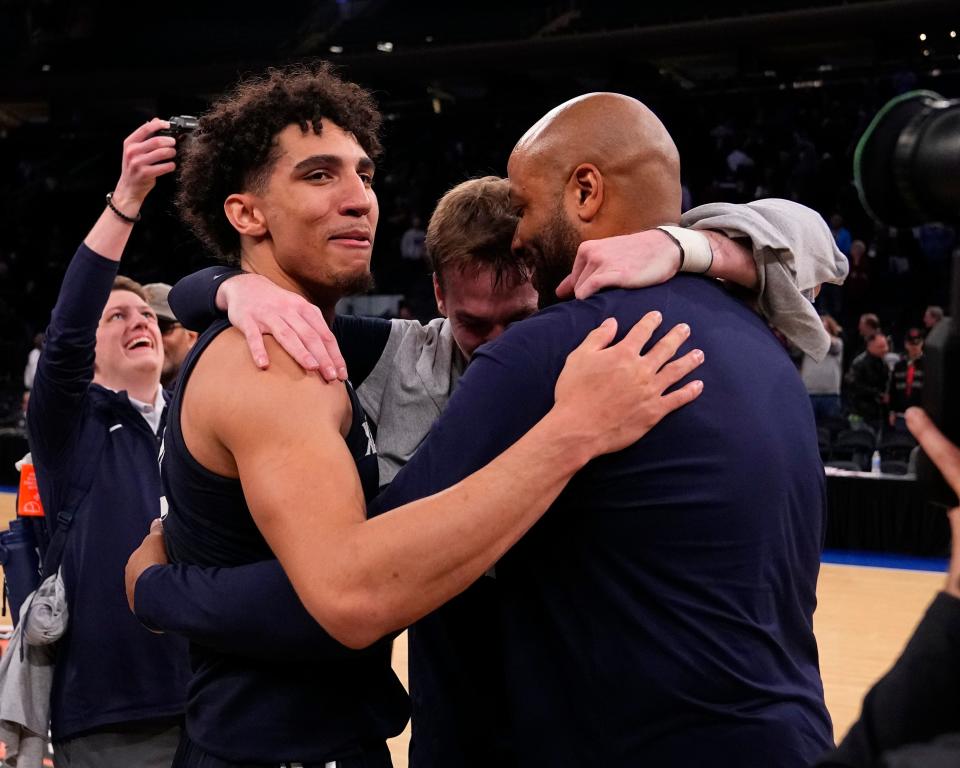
[(147, 154)]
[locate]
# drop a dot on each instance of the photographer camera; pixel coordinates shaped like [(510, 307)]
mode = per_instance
[(907, 171), (95, 420)]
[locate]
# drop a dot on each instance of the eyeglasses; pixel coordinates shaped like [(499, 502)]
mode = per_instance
[(167, 326)]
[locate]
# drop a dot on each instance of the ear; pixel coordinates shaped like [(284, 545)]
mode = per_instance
[(586, 189), (438, 295), (245, 214)]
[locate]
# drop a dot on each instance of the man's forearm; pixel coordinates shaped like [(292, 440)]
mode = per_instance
[(110, 233), (383, 574), (65, 368), (249, 610), (732, 261), (388, 572)]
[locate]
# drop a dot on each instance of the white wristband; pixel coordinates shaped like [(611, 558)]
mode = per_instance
[(696, 255)]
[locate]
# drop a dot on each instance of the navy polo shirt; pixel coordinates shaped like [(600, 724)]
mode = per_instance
[(661, 611)]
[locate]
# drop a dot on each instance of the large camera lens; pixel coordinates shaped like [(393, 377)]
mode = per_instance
[(907, 164)]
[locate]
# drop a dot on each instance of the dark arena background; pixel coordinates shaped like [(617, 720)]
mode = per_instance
[(789, 85), (764, 99)]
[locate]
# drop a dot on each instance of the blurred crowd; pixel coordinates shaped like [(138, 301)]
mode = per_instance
[(797, 144)]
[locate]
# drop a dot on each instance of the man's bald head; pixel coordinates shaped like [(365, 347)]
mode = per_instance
[(625, 141), (598, 165)]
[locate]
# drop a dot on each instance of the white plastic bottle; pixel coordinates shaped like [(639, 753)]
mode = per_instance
[(875, 463)]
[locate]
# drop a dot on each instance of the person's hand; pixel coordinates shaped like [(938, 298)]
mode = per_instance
[(946, 457), (614, 395), (152, 551), (645, 258), (146, 157), (257, 306)]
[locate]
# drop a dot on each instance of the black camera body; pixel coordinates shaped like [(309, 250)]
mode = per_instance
[(941, 392), (180, 126)]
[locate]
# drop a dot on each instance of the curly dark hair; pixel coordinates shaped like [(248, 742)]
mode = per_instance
[(234, 147)]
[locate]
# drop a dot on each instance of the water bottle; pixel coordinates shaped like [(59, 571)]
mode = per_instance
[(21, 565), (875, 463)]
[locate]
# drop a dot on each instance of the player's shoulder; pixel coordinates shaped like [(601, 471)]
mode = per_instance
[(227, 374)]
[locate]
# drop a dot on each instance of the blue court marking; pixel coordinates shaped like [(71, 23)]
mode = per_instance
[(8, 489), (881, 560)]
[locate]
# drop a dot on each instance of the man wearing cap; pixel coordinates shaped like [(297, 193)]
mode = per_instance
[(177, 340), (906, 382)]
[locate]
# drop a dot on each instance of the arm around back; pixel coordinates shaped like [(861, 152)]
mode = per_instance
[(249, 611), (361, 579)]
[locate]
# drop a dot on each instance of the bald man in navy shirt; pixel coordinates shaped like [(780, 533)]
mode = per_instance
[(661, 611)]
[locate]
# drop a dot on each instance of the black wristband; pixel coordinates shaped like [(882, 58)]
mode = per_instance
[(121, 214)]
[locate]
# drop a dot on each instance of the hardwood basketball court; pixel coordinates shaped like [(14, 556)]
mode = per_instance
[(863, 619)]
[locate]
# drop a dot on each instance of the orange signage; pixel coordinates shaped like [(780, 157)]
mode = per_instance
[(28, 500)]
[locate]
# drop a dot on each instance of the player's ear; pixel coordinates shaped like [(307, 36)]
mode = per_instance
[(585, 191), (245, 214)]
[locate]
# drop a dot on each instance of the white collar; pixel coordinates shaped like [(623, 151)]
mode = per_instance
[(151, 412)]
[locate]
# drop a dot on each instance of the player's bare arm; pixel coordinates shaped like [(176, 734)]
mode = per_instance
[(280, 431)]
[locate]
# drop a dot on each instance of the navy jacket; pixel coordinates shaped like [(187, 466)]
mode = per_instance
[(110, 669)]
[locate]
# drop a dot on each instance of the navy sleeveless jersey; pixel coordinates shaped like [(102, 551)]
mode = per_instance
[(253, 710)]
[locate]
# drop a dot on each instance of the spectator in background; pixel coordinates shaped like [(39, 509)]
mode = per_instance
[(906, 381), (177, 340), (867, 382), (31, 370), (936, 244), (412, 268), (856, 288), (931, 316), (823, 379), (867, 325), (841, 234), (412, 246)]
